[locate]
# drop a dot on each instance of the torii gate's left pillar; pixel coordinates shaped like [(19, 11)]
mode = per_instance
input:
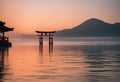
[(41, 39)]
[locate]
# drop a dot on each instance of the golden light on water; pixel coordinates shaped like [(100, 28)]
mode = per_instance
[(29, 62)]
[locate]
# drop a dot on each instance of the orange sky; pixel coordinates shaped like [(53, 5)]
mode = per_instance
[(26, 16)]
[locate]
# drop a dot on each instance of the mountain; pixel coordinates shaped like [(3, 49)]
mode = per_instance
[(92, 27)]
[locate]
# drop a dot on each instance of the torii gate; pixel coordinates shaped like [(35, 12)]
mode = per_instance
[(46, 33)]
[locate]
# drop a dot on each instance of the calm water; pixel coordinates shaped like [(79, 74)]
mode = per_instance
[(70, 61)]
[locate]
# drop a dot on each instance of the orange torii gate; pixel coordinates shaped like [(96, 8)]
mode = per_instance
[(46, 33)]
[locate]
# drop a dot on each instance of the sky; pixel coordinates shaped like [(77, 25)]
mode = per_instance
[(27, 16)]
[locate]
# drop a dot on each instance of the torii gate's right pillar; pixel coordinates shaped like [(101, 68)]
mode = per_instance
[(50, 44), (50, 40)]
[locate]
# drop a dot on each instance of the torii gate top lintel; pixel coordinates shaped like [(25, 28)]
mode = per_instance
[(45, 31)]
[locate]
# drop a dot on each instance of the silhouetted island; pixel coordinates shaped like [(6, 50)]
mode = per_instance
[(92, 28)]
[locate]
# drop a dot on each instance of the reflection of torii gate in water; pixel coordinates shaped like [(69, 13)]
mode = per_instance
[(46, 33)]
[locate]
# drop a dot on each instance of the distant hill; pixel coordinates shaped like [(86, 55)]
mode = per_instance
[(92, 27)]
